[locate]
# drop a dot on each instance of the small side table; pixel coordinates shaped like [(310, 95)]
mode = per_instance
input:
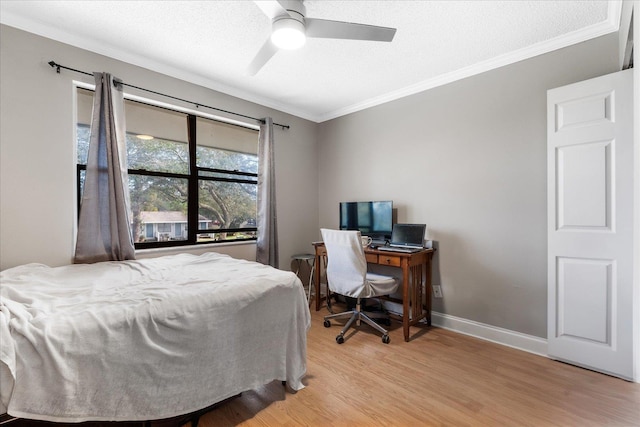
[(310, 259)]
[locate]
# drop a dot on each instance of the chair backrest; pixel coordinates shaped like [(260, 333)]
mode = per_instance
[(347, 265)]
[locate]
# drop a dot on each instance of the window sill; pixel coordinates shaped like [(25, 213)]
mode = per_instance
[(192, 248)]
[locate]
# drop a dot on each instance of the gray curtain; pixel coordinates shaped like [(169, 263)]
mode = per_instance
[(104, 228), (267, 245)]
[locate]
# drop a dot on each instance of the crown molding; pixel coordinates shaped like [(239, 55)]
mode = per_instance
[(608, 26), (62, 36), (611, 24)]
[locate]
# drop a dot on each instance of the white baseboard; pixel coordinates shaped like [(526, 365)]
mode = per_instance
[(529, 343)]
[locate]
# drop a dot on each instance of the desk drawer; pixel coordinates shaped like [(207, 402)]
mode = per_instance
[(389, 260), (372, 258)]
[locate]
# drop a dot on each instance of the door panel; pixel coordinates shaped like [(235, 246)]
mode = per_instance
[(585, 286), (588, 110), (584, 186), (590, 224)]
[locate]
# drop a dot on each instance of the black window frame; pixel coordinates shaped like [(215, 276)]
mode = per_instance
[(194, 175)]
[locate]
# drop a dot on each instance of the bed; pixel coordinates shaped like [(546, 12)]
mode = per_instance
[(146, 339)]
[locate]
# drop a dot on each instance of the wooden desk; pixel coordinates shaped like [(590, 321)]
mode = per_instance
[(414, 267)]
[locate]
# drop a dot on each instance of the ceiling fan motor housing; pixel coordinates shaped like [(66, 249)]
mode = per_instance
[(288, 30)]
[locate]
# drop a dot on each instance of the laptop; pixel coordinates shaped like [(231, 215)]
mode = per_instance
[(406, 238)]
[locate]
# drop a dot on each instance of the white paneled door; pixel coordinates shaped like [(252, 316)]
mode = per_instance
[(590, 224)]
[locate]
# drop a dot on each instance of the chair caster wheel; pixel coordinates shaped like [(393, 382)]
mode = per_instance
[(327, 324), (340, 339), (386, 339)]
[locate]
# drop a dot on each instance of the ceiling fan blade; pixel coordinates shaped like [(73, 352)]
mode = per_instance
[(322, 28), (271, 8), (262, 57)]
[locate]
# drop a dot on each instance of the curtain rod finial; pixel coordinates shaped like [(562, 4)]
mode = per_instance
[(53, 64)]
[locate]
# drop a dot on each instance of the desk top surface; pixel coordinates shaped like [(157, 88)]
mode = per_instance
[(369, 250)]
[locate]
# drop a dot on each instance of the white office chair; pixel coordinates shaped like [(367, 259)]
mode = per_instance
[(347, 275)]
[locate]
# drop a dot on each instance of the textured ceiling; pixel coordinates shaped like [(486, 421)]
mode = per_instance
[(210, 43)]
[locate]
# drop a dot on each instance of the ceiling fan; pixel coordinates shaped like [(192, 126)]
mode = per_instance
[(290, 27)]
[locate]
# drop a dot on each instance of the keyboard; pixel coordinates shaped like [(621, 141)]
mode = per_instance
[(399, 249)]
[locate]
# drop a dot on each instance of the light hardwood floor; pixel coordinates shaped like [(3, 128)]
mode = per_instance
[(439, 378)]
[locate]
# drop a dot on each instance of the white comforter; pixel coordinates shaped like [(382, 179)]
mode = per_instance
[(146, 339)]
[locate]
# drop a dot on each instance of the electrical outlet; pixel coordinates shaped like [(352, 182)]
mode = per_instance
[(437, 291)]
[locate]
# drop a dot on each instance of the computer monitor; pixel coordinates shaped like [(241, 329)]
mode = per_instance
[(373, 218)]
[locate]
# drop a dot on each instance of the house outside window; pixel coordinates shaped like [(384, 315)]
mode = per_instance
[(164, 227), (208, 177)]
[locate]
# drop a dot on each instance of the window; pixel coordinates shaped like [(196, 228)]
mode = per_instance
[(185, 187)]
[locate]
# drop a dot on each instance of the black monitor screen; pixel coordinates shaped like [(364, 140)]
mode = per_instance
[(373, 219)]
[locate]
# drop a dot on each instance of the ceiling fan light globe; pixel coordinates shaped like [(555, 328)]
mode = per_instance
[(288, 33)]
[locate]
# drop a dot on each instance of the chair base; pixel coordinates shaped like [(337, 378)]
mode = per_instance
[(355, 316)]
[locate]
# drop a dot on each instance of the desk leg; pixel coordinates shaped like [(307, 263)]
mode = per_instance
[(406, 314), (317, 285), (427, 287), (413, 288)]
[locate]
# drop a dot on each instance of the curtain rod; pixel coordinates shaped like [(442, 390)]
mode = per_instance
[(57, 66)]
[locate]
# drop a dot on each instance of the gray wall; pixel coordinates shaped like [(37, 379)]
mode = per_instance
[(472, 163), (473, 153), (37, 151)]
